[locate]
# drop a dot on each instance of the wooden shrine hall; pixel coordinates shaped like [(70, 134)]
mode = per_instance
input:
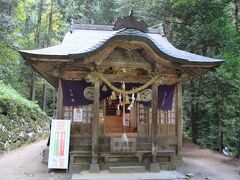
[(120, 86)]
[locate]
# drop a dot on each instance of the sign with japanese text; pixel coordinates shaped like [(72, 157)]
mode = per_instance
[(77, 115), (59, 144)]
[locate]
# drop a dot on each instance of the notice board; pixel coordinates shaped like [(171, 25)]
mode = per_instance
[(59, 144)]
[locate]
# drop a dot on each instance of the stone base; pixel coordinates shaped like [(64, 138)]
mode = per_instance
[(45, 155), (94, 168), (128, 169), (106, 175), (154, 167)]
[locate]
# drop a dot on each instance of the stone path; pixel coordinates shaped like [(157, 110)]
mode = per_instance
[(26, 164), (106, 175)]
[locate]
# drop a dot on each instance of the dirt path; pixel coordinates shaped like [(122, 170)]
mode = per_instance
[(25, 163), (207, 164)]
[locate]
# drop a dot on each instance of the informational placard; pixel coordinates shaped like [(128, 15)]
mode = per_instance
[(59, 144), (77, 115)]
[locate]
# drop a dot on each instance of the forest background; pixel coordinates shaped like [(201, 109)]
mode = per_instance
[(206, 27)]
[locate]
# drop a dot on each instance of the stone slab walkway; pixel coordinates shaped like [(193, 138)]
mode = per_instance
[(106, 175)]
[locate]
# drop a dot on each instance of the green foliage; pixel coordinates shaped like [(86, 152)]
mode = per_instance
[(21, 121)]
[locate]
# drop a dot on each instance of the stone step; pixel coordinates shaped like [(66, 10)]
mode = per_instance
[(106, 175), (127, 169)]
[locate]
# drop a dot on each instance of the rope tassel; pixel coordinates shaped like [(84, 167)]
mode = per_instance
[(123, 91), (114, 97), (127, 100), (138, 97)]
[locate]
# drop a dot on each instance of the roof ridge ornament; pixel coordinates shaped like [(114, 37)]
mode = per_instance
[(130, 22)]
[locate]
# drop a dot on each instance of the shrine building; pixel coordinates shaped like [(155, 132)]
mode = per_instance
[(121, 87)]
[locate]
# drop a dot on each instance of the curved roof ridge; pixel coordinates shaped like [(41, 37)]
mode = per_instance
[(82, 42)]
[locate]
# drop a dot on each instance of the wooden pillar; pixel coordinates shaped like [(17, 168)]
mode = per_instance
[(154, 121), (95, 122), (179, 117), (60, 101)]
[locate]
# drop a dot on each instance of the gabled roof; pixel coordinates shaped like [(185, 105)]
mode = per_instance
[(82, 42)]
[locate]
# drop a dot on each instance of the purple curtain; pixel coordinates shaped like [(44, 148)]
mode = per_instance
[(76, 93), (165, 96)]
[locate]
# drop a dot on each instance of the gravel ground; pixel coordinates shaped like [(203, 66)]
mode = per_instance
[(208, 164), (25, 163)]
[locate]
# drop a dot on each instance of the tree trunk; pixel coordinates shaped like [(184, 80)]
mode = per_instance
[(10, 7), (38, 30), (44, 97), (26, 29), (238, 134), (194, 110), (50, 25), (221, 135), (237, 15), (221, 124), (238, 152), (1, 9), (193, 120), (37, 44), (33, 85)]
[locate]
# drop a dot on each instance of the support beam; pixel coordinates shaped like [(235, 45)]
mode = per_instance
[(94, 167), (179, 117), (154, 166), (60, 101), (154, 121)]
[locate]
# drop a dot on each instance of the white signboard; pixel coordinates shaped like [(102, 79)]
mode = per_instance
[(77, 114), (59, 144)]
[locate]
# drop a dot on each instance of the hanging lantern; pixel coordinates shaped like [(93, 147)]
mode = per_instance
[(138, 97), (127, 100), (113, 96)]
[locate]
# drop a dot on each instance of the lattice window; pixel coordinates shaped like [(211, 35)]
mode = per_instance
[(87, 113), (143, 114), (67, 112)]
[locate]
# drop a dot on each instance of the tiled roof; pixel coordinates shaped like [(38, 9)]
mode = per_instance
[(82, 42)]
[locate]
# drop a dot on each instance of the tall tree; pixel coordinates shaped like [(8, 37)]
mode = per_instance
[(37, 45), (237, 14)]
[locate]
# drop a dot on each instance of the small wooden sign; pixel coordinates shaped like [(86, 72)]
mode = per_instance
[(77, 115)]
